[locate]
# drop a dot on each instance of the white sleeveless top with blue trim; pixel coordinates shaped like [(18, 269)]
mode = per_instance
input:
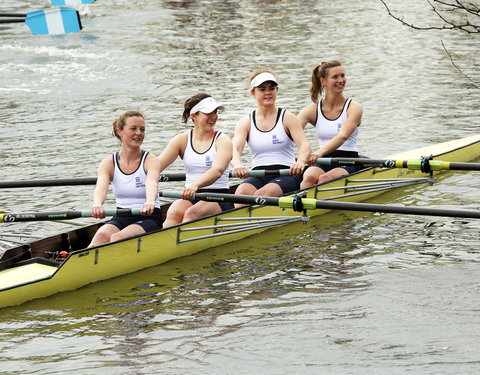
[(196, 164), (129, 189), (271, 147), (327, 129)]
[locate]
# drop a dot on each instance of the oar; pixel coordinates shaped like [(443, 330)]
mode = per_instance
[(72, 3), (180, 176), (62, 215), (299, 204), (414, 164), (52, 21)]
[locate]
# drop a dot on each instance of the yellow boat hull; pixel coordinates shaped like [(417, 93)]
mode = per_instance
[(23, 281)]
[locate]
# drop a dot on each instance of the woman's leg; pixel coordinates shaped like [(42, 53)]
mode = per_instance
[(310, 177), (103, 235), (270, 190), (201, 209), (331, 175), (176, 212), (245, 189), (131, 230)]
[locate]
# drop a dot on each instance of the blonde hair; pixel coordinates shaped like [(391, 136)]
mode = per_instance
[(120, 122), (320, 71), (260, 71)]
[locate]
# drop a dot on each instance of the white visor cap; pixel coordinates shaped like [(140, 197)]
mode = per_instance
[(261, 78), (207, 105)]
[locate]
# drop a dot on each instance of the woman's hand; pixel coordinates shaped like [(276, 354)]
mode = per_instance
[(188, 192), (147, 208), (297, 168), (312, 159), (240, 171), (98, 211)]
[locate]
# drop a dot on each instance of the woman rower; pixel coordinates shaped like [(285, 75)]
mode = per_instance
[(272, 134), (336, 119), (206, 153), (134, 174)]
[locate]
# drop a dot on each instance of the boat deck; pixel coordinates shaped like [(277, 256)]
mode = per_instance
[(26, 273)]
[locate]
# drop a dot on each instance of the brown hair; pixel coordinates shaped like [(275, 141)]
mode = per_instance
[(192, 102), (320, 71), (120, 122)]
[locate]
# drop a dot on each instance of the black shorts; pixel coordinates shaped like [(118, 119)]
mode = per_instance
[(286, 183), (223, 206), (148, 223), (339, 154)]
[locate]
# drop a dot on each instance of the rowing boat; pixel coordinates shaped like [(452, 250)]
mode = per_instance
[(63, 262)]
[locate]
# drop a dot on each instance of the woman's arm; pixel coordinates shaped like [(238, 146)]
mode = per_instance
[(239, 139), (174, 149), (308, 115), (152, 167), (294, 128), (104, 176)]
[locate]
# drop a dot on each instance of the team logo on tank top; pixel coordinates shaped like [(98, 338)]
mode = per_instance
[(208, 161), (139, 183), (276, 141)]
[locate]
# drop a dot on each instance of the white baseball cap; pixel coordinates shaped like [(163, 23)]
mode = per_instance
[(261, 78), (207, 105)]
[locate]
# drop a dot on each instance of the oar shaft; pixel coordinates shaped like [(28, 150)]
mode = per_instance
[(465, 166), (23, 15), (176, 176), (310, 204), (406, 210), (62, 215), (42, 183), (413, 164), (12, 20)]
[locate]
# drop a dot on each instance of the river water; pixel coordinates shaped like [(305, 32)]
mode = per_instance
[(356, 294)]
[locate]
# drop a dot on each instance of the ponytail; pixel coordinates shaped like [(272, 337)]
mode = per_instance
[(318, 72)]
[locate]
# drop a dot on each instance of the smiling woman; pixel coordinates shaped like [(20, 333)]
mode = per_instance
[(134, 174), (336, 120), (272, 134), (206, 153)]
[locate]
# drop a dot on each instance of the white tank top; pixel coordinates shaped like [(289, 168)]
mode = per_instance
[(273, 146), (130, 189), (327, 129), (196, 164)]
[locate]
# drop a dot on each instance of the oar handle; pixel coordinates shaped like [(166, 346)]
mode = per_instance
[(63, 215), (264, 172)]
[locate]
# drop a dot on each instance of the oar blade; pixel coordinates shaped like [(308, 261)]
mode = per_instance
[(54, 21), (72, 3)]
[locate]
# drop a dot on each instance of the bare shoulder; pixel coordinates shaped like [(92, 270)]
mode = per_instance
[(150, 155), (225, 139), (106, 162), (290, 119), (106, 166), (355, 106), (308, 114), (243, 123), (180, 140)]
